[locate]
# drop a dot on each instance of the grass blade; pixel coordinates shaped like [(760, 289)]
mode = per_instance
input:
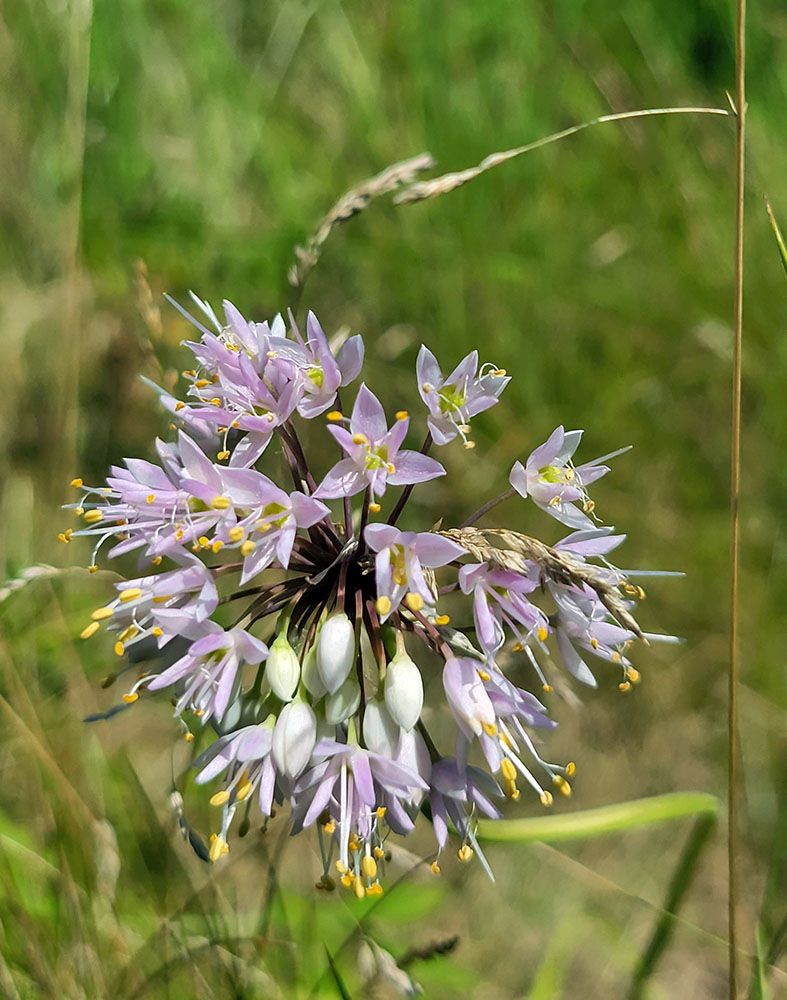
[(778, 234), (599, 822), (678, 887)]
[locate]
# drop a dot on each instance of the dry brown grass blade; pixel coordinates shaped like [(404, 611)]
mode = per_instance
[(520, 551), (351, 203), (433, 188)]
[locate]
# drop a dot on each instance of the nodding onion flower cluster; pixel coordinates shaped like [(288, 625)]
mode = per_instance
[(327, 714)]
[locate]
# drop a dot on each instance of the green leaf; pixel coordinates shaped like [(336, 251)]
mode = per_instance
[(601, 821), (778, 234)]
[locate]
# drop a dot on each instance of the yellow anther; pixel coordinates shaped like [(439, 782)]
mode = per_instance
[(615, 656), (402, 414), (640, 593), (263, 526), (217, 849), (465, 853), (379, 853), (512, 792), (93, 516), (195, 546), (633, 675), (92, 569), (427, 387), (158, 631), (354, 845), (560, 783), (179, 534), (217, 546), (341, 867), (360, 439), (489, 728), (382, 605), (101, 614), (204, 541), (369, 866), (435, 868), (215, 401), (347, 880), (236, 424), (76, 482), (594, 643), (162, 598), (391, 468), (151, 497), (484, 675), (236, 533), (571, 768), (554, 501), (130, 697), (413, 601), (188, 737), (499, 372), (358, 888), (179, 406), (374, 507), (220, 798), (131, 594), (68, 533), (199, 712), (624, 686), (244, 791), (201, 383), (221, 503), (91, 629), (469, 445), (542, 634), (517, 647), (157, 560), (189, 374), (589, 506), (505, 741), (546, 798), (547, 688), (375, 889), (61, 537), (79, 511), (442, 620), (507, 769), (334, 415), (380, 812), (222, 456), (329, 827), (119, 649), (247, 547)]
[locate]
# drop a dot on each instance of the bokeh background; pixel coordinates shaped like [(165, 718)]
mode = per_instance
[(151, 146)]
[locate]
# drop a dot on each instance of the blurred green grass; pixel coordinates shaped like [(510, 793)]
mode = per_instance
[(206, 140)]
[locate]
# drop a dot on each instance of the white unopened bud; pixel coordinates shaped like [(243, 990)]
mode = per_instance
[(282, 669), (404, 691), (310, 675), (294, 738), (335, 651), (380, 732), (343, 703)]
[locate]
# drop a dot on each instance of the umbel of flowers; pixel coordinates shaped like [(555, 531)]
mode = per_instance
[(300, 623)]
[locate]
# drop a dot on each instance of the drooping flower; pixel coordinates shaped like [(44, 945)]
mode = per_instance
[(499, 601), (401, 556), (454, 400), (555, 484), (374, 456), (210, 671)]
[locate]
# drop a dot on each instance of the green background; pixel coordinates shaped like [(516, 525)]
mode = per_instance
[(197, 143)]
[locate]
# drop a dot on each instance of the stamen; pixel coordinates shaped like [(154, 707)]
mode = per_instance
[(130, 595), (369, 866), (76, 483), (221, 503), (465, 853), (414, 601), (382, 605), (220, 798), (543, 634), (101, 614), (236, 533), (400, 415), (334, 415), (374, 507), (435, 868), (248, 547), (217, 849), (360, 439), (561, 785), (442, 620), (91, 629), (93, 516), (130, 697)]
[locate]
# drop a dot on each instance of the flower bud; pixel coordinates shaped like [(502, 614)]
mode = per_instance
[(294, 738), (335, 651), (343, 703), (380, 732), (310, 674), (282, 669), (404, 691)]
